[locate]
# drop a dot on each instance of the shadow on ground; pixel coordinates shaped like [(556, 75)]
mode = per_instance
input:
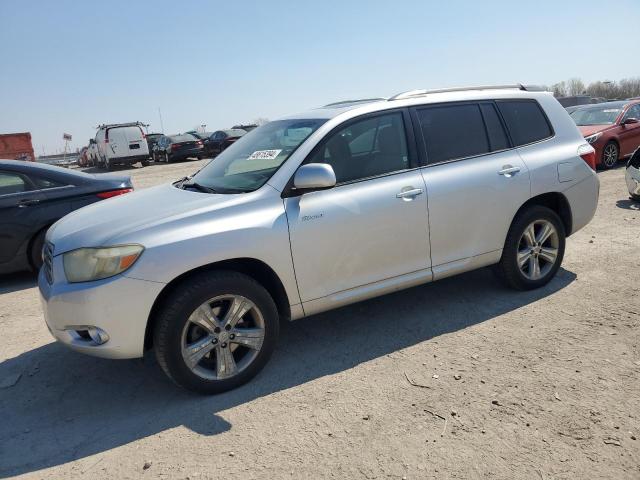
[(14, 282), (629, 204), (67, 406)]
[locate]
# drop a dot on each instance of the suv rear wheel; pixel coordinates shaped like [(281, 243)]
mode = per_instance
[(533, 250), (216, 331)]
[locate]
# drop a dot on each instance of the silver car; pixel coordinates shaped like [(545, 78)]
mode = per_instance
[(314, 211), (632, 175)]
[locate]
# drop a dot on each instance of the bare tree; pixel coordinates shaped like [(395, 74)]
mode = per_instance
[(575, 86), (559, 89), (622, 89)]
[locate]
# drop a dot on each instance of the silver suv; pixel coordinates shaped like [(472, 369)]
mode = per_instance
[(314, 211)]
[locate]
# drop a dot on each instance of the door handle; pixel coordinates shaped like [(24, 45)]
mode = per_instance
[(409, 194), (27, 203), (508, 170)]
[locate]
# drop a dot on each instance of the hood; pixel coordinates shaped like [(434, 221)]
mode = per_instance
[(102, 223), (587, 130)]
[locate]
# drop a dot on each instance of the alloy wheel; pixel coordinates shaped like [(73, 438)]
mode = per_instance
[(610, 155), (222, 337), (538, 249)]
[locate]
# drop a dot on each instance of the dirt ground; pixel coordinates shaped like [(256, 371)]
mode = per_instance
[(461, 378)]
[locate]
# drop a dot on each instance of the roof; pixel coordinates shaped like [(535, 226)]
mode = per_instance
[(419, 97), (42, 168)]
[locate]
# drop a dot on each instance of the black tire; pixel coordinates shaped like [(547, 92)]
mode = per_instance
[(35, 250), (174, 313), (610, 155), (144, 163), (508, 269)]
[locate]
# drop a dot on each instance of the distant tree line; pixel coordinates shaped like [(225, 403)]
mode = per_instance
[(622, 89)]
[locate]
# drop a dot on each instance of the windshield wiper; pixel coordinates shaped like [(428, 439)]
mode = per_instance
[(198, 187)]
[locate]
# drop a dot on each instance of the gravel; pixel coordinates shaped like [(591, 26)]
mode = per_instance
[(538, 382)]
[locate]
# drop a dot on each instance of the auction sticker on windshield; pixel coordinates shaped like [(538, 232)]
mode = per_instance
[(264, 155)]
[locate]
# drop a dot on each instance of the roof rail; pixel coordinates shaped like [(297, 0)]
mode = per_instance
[(420, 93), (128, 124), (359, 100)]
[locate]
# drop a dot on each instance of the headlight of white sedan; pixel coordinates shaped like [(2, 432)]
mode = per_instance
[(593, 138), (87, 264)]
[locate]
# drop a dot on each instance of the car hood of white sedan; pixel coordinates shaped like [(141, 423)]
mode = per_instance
[(104, 223)]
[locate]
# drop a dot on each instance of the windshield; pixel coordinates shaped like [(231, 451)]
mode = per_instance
[(249, 162), (595, 116), (235, 133)]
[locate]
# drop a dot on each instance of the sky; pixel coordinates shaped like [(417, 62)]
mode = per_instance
[(67, 66)]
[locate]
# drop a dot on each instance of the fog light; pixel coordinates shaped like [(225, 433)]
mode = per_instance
[(98, 335), (88, 334)]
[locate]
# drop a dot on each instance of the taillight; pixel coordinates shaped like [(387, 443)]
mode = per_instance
[(114, 193), (175, 146), (588, 154), (199, 142)]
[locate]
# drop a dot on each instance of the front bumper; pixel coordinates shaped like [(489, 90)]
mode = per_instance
[(632, 176), (119, 305)]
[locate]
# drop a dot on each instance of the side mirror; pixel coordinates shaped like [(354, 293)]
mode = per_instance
[(630, 121), (314, 176)]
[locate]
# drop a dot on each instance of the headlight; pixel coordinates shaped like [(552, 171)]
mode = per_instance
[(87, 264), (593, 138)]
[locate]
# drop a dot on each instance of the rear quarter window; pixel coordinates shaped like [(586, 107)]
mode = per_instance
[(525, 121)]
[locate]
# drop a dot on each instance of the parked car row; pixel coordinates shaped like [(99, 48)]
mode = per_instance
[(127, 143)]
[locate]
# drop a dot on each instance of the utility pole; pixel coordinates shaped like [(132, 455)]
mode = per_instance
[(161, 124)]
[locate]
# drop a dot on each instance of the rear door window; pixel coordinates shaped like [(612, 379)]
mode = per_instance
[(497, 136), (525, 121), (452, 132)]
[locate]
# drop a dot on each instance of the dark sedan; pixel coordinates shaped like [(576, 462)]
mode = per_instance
[(220, 140), (178, 147), (34, 196)]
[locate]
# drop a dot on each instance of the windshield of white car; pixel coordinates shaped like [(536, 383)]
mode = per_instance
[(247, 164), (595, 116)]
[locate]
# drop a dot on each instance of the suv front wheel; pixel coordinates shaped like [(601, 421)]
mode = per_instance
[(216, 331), (533, 250)]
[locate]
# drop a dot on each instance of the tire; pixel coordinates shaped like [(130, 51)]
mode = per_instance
[(35, 250), (144, 163), (610, 155), (518, 247), (175, 331)]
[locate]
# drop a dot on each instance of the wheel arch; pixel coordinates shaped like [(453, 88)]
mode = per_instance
[(555, 201), (32, 239), (256, 269)]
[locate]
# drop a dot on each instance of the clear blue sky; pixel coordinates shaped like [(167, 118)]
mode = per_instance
[(67, 66)]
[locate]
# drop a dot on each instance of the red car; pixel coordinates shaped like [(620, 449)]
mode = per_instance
[(612, 129)]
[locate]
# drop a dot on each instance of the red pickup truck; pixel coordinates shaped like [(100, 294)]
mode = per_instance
[(16, 146)]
